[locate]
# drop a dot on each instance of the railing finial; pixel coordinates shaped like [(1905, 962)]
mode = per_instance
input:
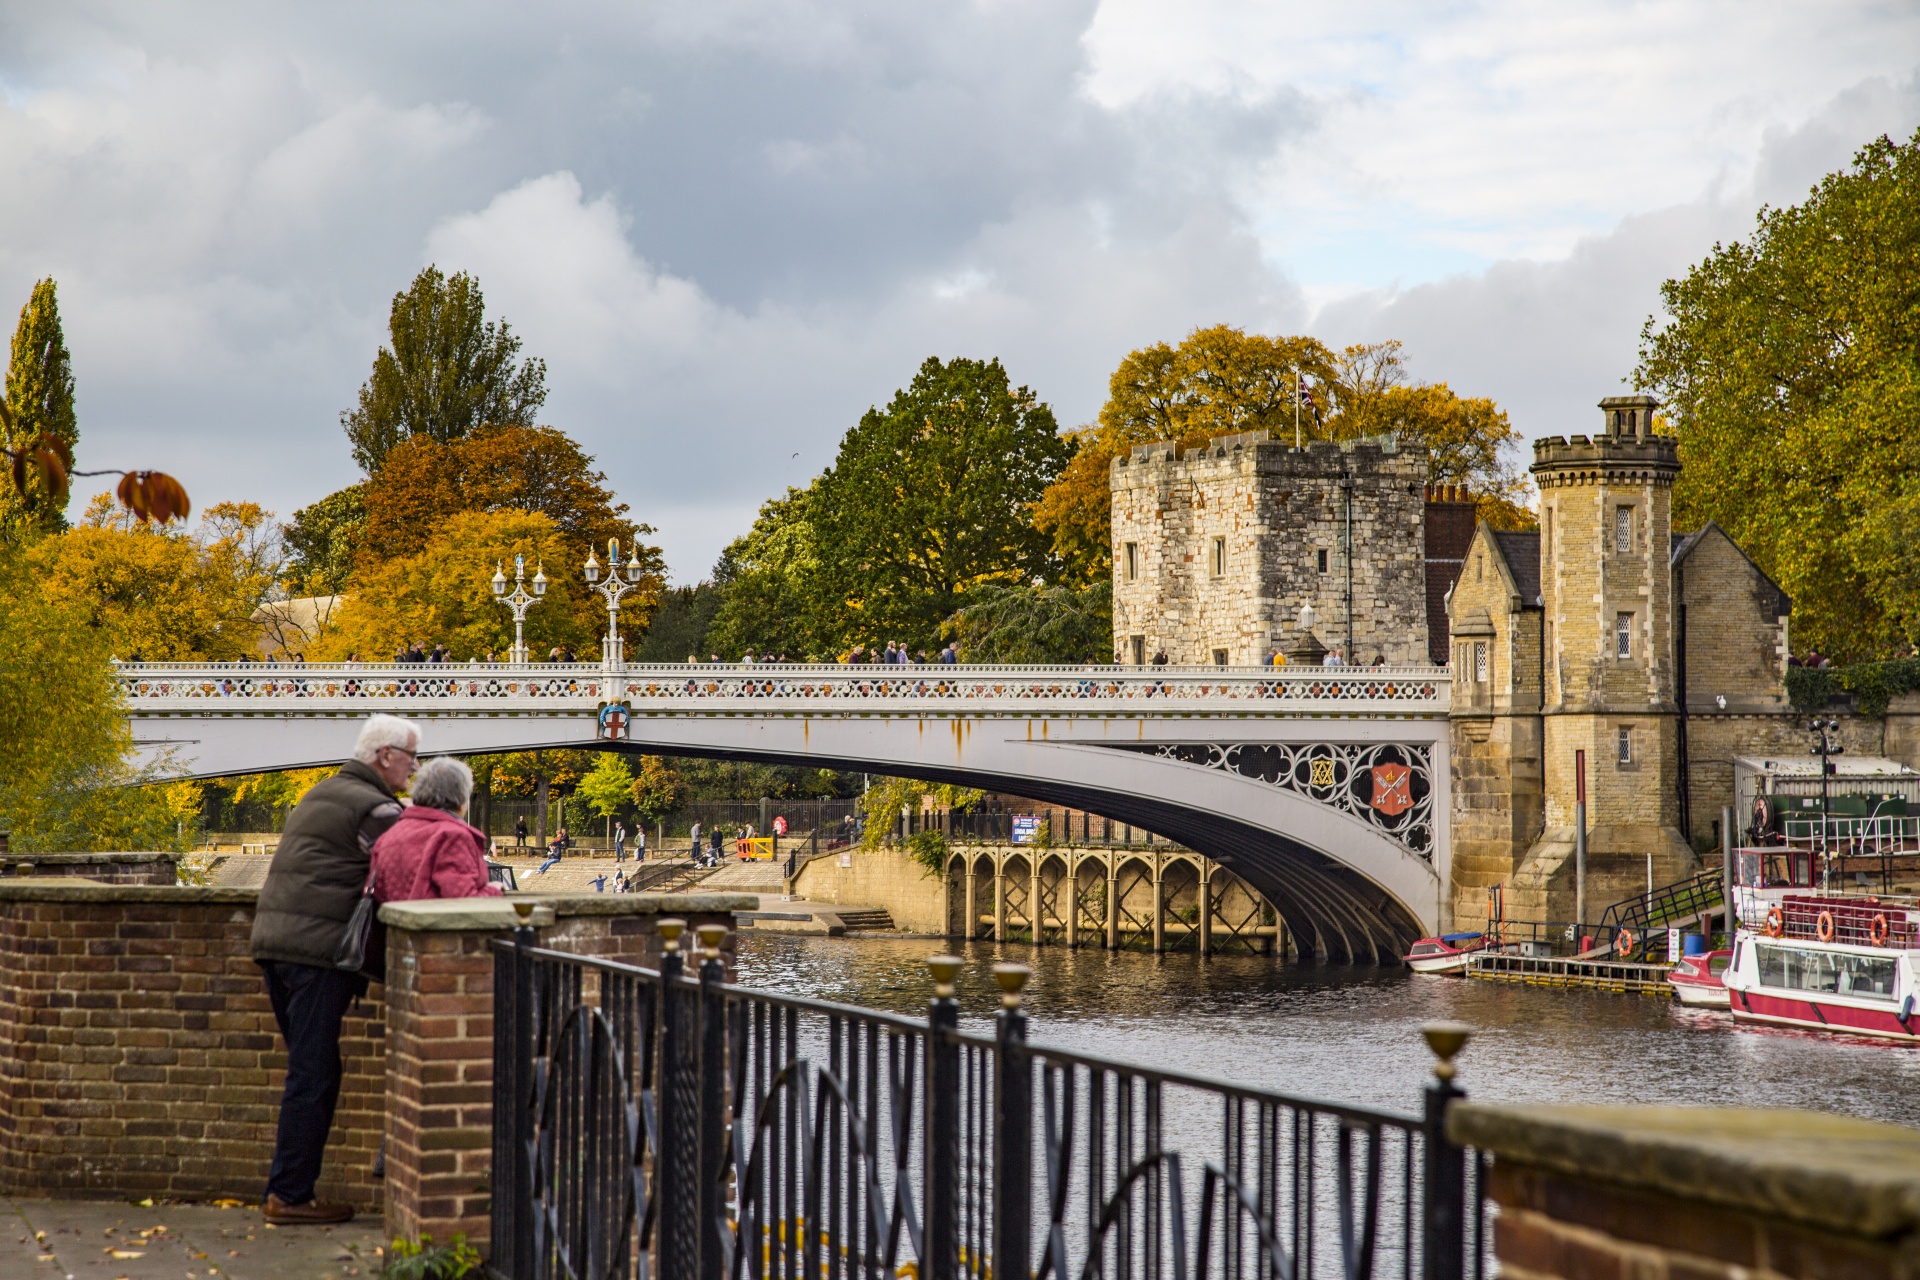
[(670, 930), (945, 969), (1013, 980), (525, 911), (711, 936), (1446, 1040)]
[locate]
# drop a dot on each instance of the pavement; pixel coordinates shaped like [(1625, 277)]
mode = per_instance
[(114, 1240)]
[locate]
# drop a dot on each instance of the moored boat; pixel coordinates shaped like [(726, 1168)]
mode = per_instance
[(1827, 963), (1700, 979), (1446, 953)]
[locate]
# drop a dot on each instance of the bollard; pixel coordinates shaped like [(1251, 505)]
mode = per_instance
[(1446, 1163)]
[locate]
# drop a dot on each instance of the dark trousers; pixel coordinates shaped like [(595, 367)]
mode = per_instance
[(308, 1002)]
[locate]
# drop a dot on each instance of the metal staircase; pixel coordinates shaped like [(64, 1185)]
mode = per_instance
[(1681, 903)]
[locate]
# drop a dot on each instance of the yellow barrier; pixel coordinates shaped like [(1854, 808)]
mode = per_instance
[(754, 849)]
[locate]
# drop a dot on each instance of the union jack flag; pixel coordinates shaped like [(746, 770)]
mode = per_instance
[(1310, 404)]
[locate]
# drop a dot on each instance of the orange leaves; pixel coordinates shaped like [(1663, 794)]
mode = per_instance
[(47, 457), (153, 495)]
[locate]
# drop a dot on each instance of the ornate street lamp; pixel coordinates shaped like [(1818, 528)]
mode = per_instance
[(621, 578), (518, 601)]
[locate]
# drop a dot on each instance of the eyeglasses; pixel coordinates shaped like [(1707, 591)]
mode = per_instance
[(411, 755)]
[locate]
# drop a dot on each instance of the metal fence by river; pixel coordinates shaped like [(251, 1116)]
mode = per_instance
[(666, 1122)]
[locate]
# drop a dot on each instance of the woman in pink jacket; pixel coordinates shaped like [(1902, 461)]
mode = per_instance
[(431, 852)]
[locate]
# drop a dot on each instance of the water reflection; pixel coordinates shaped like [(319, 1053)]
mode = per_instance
[(1352, 1034)]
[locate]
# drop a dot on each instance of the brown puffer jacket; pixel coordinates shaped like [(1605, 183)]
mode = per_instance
[(320, 868)]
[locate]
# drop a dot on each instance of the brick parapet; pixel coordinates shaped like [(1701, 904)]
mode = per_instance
[(154, 868), (1697, 1193)]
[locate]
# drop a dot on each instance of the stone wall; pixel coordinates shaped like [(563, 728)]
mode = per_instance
[(1279, 518), (1677, 1193), (884, 878)]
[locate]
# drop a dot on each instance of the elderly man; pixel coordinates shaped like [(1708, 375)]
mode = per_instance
[(316, 878)]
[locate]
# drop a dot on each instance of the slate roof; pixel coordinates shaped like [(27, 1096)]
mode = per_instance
[(1522, 553)]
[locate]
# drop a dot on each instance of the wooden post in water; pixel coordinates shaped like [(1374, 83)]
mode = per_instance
[(1206, 906), (1000, 899), (1036, 916), (1159, 904), (1072, 890), (1113, 904)]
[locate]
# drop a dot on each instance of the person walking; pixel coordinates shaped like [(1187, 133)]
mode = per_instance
[(431, 852), (619, 842), (314, 882)]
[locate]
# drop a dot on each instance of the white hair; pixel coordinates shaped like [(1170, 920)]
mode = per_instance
[(385, 731), (442, 783)]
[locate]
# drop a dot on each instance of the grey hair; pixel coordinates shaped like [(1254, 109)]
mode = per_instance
[(443, 783), (385, 731)]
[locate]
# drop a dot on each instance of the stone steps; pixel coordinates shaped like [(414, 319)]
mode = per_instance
[(865, 919)]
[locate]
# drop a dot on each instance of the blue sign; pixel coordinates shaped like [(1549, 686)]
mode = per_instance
[(1026, 827)]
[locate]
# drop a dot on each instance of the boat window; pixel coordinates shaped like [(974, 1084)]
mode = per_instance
[(1427, 949), (1718, 964), (1833, 972)]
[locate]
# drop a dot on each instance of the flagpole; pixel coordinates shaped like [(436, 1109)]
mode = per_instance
[(1296, 409)]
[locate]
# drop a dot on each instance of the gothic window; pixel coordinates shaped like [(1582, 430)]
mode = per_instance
[(1480, 662), (1626, 746), (1219, 557), (1623, 635), (1322, 560), (1623, 529), (1133, 561)]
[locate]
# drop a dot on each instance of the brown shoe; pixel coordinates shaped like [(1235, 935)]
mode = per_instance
[(312, 1213)]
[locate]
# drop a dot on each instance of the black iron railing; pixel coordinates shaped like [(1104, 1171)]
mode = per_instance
[(655, 1123)]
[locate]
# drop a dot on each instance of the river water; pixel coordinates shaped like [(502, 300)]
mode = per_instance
[(1352, 1034)]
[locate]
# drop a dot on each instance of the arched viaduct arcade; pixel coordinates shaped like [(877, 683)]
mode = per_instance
[(1324, 789)]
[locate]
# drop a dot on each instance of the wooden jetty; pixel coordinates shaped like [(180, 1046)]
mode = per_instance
[(1591, 973)]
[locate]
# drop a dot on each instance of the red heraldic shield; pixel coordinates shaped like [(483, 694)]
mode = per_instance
[(1392, 789)]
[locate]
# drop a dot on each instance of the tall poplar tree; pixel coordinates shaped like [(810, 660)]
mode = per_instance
[(39, 393), (448, 373)]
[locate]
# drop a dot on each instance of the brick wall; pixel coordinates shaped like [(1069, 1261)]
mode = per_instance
[(139, 1055), (1698, 1194), (106, 868)]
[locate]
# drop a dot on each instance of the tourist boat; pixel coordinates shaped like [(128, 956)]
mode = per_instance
[(1447, 953), (1699, 979), (1848, 965)]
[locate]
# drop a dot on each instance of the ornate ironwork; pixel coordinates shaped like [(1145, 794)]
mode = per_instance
[(1387, 785), (1414, 691), (650, 1124)]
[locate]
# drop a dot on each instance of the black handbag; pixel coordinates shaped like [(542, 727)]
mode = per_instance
[(351, 954)]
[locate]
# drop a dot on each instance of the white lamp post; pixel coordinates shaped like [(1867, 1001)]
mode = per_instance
[(621, 578), (518, 601)]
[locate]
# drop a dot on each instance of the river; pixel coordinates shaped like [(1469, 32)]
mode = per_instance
[(1352, 1034)]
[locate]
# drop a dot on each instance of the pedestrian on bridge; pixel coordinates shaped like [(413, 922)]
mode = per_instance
[(317, 877)]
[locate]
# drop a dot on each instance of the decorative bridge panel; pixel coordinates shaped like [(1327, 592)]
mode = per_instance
[(1417, 691), (1387, 785)]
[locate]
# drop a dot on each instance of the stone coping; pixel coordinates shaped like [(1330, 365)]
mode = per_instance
[(85, 859), (80, 889), (1857, 1177), (466, 914)]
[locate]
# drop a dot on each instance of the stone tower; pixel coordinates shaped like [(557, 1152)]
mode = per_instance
[(1607, 598)]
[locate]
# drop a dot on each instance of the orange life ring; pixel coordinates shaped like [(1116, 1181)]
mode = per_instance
[(1877, 930), (1623, 942), (1823, 925), (1775, 925)]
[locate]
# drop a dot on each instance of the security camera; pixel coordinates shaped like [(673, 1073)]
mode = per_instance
[(1721, 699)]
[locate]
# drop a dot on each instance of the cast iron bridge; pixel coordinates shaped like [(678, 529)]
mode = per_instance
[(1325, 788)]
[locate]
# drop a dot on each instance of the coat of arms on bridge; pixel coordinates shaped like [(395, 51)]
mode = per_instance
[(614, 719), (1387, 785)]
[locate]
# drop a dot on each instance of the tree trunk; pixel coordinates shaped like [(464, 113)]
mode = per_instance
[(540, 811)]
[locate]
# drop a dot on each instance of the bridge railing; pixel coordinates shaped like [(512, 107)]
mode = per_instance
[(163, 686), (650, 1122)]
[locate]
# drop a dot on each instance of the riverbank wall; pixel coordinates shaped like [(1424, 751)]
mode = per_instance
[(139, 1055)]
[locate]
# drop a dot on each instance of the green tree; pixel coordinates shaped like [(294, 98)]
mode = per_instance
[(39, 398), (448, 373), (657, 791), (770, 587), (323, 541), (1035, 624), (608, 786), (929, 499), (1790, 367), (678, 628)]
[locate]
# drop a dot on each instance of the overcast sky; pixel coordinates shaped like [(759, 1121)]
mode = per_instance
[(729, 228)]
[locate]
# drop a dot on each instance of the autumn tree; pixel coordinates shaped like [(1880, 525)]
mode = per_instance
[(1790, 367), (442, 592), (657, 790), (1219, 381), (161, 593), (448, 372), (39, 400), (425, 483), (929, 499)]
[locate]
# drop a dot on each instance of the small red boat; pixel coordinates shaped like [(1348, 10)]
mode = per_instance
[(1447, 953), (1700, 979)]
